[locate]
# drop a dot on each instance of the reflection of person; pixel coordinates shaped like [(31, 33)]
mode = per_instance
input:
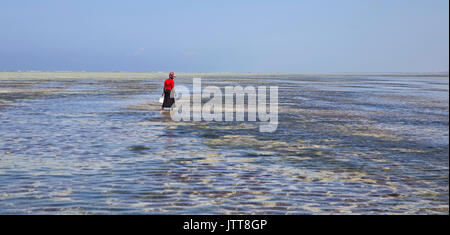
[(169, 99)]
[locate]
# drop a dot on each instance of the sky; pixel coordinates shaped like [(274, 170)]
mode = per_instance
[(298, 36)]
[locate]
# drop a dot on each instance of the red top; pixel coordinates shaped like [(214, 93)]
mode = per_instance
[(169, 84)]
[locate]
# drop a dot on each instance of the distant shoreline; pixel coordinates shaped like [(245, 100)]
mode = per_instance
[(4, 75)]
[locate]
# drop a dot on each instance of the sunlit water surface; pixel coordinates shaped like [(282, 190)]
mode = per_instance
[(344, 144)]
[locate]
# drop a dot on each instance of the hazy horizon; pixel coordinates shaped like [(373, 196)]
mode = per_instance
[(99, 71), (301, 37)]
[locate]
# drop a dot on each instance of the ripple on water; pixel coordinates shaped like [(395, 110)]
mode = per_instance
[(344, 145)]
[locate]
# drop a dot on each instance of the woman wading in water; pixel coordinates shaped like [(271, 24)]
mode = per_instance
[(169, 95)]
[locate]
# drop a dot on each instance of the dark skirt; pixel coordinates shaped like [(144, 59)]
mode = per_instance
[(168, 102)]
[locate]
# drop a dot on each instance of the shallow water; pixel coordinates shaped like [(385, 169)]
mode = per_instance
[(344, 144)]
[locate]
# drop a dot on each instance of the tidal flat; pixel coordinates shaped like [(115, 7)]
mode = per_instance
[(96, 143)]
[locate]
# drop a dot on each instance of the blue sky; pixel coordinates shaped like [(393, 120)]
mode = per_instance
[(311, 36)]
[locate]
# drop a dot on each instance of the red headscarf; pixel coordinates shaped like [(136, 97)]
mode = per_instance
[(171, 75)]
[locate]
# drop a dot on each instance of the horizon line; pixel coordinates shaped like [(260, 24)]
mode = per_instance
[(287, 73)]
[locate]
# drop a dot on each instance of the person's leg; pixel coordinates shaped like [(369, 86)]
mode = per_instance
[(166, 102)]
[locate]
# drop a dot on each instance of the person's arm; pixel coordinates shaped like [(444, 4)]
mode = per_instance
[(173, 89), (164, 88)]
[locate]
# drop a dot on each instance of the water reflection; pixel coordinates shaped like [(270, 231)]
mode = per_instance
[(343, 145)]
